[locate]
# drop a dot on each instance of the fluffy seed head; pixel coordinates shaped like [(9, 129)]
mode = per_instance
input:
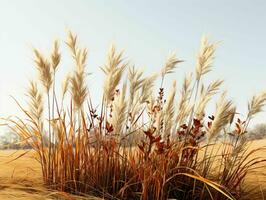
[(135, 82), (65, 85), (78, 88), (147, 86), (113, 70), (44, 69), (72, 42), (119, 112), (256, 104), (170, 64), (223, 114), (55, 56), (205, 57), (35, 101), (206, 96)]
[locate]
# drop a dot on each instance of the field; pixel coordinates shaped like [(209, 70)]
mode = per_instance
[(140, 141), (21, 178)]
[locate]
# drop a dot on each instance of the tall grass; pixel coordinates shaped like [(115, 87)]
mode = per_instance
[(137, 145)]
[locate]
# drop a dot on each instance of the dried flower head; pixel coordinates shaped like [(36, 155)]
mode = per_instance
[(113, 70), (55, 56), (170, 64), (44, 68), (205, 57)]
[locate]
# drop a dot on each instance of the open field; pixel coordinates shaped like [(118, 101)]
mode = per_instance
[(22, 179)]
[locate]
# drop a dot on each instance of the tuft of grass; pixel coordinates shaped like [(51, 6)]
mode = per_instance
[(137, 145)]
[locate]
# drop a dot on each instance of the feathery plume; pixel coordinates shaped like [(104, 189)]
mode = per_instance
[(205, 58), (35, 101), (206, 96), (170, 64), (223, 114), (78, 88), (55, 56), (119, 111), (113, 70), (65, 85), (146, 89), (256, 103), (135, 82), (44, 69), (72, 42)]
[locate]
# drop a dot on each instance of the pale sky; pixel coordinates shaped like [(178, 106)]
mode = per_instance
[(146, 30)]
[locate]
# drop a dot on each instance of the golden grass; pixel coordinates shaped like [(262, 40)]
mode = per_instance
[(137, 146), (21, 178)]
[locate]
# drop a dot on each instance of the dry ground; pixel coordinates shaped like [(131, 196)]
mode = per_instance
[(21, 178)]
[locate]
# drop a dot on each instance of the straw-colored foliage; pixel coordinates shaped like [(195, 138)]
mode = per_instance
[(136, 144)]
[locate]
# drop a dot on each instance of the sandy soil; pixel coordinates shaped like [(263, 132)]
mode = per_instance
[(21, 178)]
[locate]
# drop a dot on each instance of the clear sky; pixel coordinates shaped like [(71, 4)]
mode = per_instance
[(147, 30)]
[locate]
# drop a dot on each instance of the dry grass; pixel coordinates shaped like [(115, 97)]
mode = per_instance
[(136, 145), (21, 178)]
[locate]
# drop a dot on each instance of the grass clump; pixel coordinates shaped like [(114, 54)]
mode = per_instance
[(137, 145)]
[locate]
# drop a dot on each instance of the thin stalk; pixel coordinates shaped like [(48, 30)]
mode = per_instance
[(53, 116), (193, 107), (49, 134)]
